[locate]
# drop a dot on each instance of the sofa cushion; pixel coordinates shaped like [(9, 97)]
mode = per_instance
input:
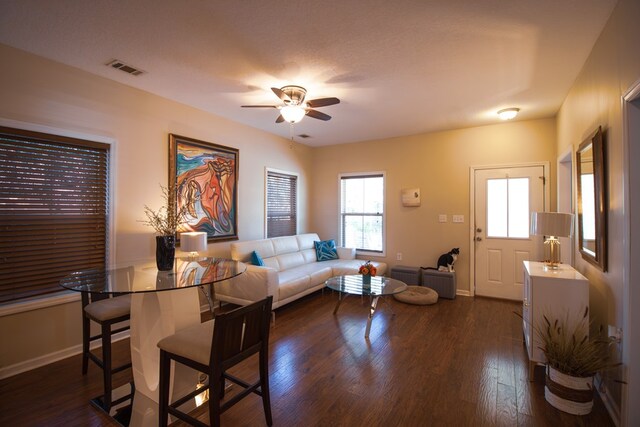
[(346, 253), (344, 267), (305, 241), (241, 251), (256, 259), (326, 250), (292, 283), (285, 245), (319, 272), (309, 255), (290, 260)]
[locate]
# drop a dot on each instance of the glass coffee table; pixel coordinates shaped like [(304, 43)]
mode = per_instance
[(373, 287)]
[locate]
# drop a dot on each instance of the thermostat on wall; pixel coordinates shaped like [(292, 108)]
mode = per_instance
[(410, 197)]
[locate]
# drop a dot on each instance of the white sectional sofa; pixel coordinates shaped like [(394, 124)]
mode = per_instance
[(290, 270)]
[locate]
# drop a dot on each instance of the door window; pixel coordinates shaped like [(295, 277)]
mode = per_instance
[(508, 208)]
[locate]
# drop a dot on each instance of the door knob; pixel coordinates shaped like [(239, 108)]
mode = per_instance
[(479, 230), (478, 239)]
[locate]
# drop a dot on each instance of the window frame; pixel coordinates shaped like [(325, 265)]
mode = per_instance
[(9, 308), (267, 171), (368, 174)]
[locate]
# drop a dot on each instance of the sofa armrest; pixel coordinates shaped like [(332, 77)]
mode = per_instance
[(346, 253), (255, 284)]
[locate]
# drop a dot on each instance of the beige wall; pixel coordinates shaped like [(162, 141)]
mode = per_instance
[(595, 100), (36, 91), (437, 163)]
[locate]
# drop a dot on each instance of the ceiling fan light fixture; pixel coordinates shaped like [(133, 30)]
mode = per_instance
[(508, 113), (292, 113)]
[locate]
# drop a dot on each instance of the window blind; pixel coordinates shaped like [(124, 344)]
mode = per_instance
[(362, 212), (282, 215), (53, 210)]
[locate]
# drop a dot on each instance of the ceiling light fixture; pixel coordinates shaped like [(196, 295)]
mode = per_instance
[(293, 113), (508, 113)]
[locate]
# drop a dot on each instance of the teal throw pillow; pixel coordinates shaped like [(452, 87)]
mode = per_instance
[(256, 259), (326, 250)]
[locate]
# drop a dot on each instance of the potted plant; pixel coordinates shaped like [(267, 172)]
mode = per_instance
[(572, 361), (165, 222)]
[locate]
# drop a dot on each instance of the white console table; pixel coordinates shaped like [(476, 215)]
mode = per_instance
[(556, 293)]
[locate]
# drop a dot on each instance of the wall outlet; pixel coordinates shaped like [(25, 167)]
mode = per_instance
[(442, 218), (399, 256), (458, 218)]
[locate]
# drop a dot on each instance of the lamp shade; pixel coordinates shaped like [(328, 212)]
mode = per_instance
[(193, 241), (552, 224), (293, 113)]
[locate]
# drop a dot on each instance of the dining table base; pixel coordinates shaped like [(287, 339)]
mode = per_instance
[(153, 317)]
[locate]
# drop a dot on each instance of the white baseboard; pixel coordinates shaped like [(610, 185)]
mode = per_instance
[(463, 293), (612, 407), (37, 362)]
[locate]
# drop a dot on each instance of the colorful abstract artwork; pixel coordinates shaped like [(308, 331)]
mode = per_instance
[(206, 182)]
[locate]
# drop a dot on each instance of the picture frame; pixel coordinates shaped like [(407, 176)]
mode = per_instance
[(205, 176)]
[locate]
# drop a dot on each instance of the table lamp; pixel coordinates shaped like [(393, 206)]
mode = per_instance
[(552, 225), (193, 242)]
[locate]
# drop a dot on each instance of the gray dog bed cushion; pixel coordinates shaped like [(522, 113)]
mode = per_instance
[(418, 295)]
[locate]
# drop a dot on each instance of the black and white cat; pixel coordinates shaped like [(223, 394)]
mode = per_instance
[(446, 261)]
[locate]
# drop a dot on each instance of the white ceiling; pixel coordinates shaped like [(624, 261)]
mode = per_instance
[(399, 67)]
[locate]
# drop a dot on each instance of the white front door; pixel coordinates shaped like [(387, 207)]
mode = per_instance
[(504, 200)]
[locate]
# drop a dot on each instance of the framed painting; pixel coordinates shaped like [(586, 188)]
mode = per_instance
[(205, 177)]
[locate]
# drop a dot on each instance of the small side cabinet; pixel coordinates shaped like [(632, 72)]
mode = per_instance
[(556, 293)]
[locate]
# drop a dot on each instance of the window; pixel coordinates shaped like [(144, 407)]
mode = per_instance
[(362, 212), (508, 208), (53, 210), (282, 210)]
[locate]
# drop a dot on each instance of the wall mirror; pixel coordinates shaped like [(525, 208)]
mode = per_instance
[(592, 200)]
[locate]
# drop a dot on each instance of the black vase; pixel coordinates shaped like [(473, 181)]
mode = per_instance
[(165, 252)]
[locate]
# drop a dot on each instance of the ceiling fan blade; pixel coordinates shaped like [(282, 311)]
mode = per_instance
[(280, 94), (259, 106), (318, 115), (280, 119), (322, 102)]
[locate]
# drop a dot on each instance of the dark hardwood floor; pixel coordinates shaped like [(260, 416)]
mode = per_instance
[(459, 363)]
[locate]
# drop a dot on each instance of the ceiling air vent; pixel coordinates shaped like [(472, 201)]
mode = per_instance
[(304, 136), (125, 67)]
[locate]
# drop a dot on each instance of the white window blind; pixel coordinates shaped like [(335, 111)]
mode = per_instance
[(53, 210), (362, 212), (282, 213)]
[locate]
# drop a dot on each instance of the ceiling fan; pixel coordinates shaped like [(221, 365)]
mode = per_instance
[(295, 107)]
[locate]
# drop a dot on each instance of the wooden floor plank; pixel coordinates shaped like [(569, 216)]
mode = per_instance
[(460, 362)]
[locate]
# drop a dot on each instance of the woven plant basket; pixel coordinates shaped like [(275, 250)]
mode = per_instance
[(567, 393)]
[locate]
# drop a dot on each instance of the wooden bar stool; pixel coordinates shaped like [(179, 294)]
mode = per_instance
[(212, 348), (105, 311)]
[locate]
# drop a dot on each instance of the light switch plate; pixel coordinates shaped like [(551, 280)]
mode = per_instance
[(442, 218), (458, 218)]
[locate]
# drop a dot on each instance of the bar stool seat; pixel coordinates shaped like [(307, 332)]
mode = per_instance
[(109, 308), (193, 342)]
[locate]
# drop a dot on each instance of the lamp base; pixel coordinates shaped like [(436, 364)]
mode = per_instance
[(552, 253)]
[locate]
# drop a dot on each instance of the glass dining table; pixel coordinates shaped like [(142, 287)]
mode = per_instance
[(162, 302)]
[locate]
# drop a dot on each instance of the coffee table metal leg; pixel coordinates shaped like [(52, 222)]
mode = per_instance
[(372, 310), (341, 296)]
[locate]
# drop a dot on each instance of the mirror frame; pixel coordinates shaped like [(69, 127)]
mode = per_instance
[(600, 197)]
